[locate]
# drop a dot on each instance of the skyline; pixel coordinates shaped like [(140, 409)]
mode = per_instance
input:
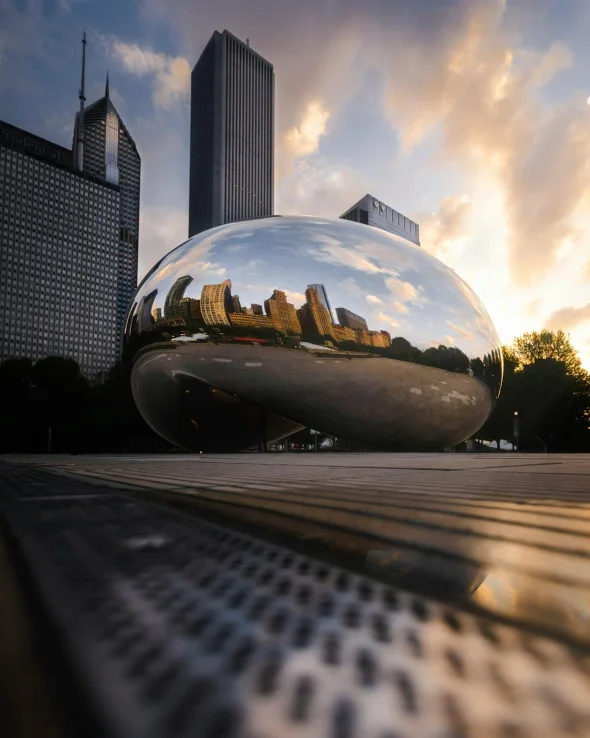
[(490, 159)]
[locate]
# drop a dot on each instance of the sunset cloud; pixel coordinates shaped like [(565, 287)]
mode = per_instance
[(401, 291), (568, 318), (482, 94), (441, 231), (303, 140), (391, 322)]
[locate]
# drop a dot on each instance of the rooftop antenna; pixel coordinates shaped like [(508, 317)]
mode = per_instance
[(247, 42), (80, 141), (106, 89)]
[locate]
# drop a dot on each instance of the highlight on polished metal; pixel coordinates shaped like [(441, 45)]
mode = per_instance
[(248, 332)]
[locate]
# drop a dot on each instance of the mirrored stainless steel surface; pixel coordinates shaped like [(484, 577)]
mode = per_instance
[(247, 332)]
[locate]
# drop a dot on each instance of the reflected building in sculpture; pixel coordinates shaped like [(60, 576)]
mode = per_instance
[(225, 377), (175, 295), (282, 313), (371, 211), (351, 320), (216, 303), (323, 296), (145, 311), (314, 315), (231, 136)]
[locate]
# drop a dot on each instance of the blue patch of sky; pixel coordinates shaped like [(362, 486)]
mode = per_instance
[(362, 139), (46, 77)]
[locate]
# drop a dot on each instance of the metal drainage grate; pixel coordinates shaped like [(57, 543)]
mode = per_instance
[(179, 627)]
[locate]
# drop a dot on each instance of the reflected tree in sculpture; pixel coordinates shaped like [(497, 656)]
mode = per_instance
[(234, 342)]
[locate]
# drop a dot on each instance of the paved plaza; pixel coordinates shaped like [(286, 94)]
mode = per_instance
[(509, 531), (301, 594)]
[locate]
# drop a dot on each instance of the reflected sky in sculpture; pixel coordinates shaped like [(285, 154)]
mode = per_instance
[(231, 332), (396, 286)]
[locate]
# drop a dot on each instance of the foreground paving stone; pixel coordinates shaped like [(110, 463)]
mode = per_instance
[(175, 625)]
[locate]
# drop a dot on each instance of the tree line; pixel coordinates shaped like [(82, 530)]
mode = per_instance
[(546, 384), (49, 403)]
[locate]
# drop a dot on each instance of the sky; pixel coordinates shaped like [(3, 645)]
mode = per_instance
[(472, 117)]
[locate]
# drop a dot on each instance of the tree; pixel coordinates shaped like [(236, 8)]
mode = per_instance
[(16, 402), (545, 383), (499, 424), (61, 398), (545, 344)]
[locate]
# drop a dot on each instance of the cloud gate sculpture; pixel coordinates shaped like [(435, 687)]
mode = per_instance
[(248, 332)]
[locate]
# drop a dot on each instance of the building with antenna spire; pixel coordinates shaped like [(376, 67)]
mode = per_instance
[(68, 228), (78, 145), (110, 153)]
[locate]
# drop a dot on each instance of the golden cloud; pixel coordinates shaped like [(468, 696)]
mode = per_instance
[(481, 91), (440, 231), (568, 318)]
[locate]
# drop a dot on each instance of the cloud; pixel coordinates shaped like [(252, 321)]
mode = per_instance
[(66, 5), (374, 300), (441, 231), (568, 318), (170, 74), (461, 330), (160, 231), (295, 298), (304, 139), (480, 92), (402, 291), (332, 251), (351, 287), (391, 322), (311, 186), (399, 307)]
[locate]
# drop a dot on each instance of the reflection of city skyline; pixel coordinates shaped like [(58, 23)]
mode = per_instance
[(217, 308), (219, 315), (373, 274)]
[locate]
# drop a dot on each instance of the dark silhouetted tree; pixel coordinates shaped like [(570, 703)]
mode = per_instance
[(545, 383)]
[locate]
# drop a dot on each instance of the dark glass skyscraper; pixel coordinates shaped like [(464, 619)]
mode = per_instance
[(110, 153), (232, 135)]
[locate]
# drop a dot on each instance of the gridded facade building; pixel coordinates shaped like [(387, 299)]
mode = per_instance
[(249, 320), (323, 295), (216, 303), (175, 295), (232, 135), (283, 313), (59, 234), (373, 212), (110, 154), (314, 317)]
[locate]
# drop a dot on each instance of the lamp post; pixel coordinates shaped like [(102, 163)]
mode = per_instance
[(515, 430)]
